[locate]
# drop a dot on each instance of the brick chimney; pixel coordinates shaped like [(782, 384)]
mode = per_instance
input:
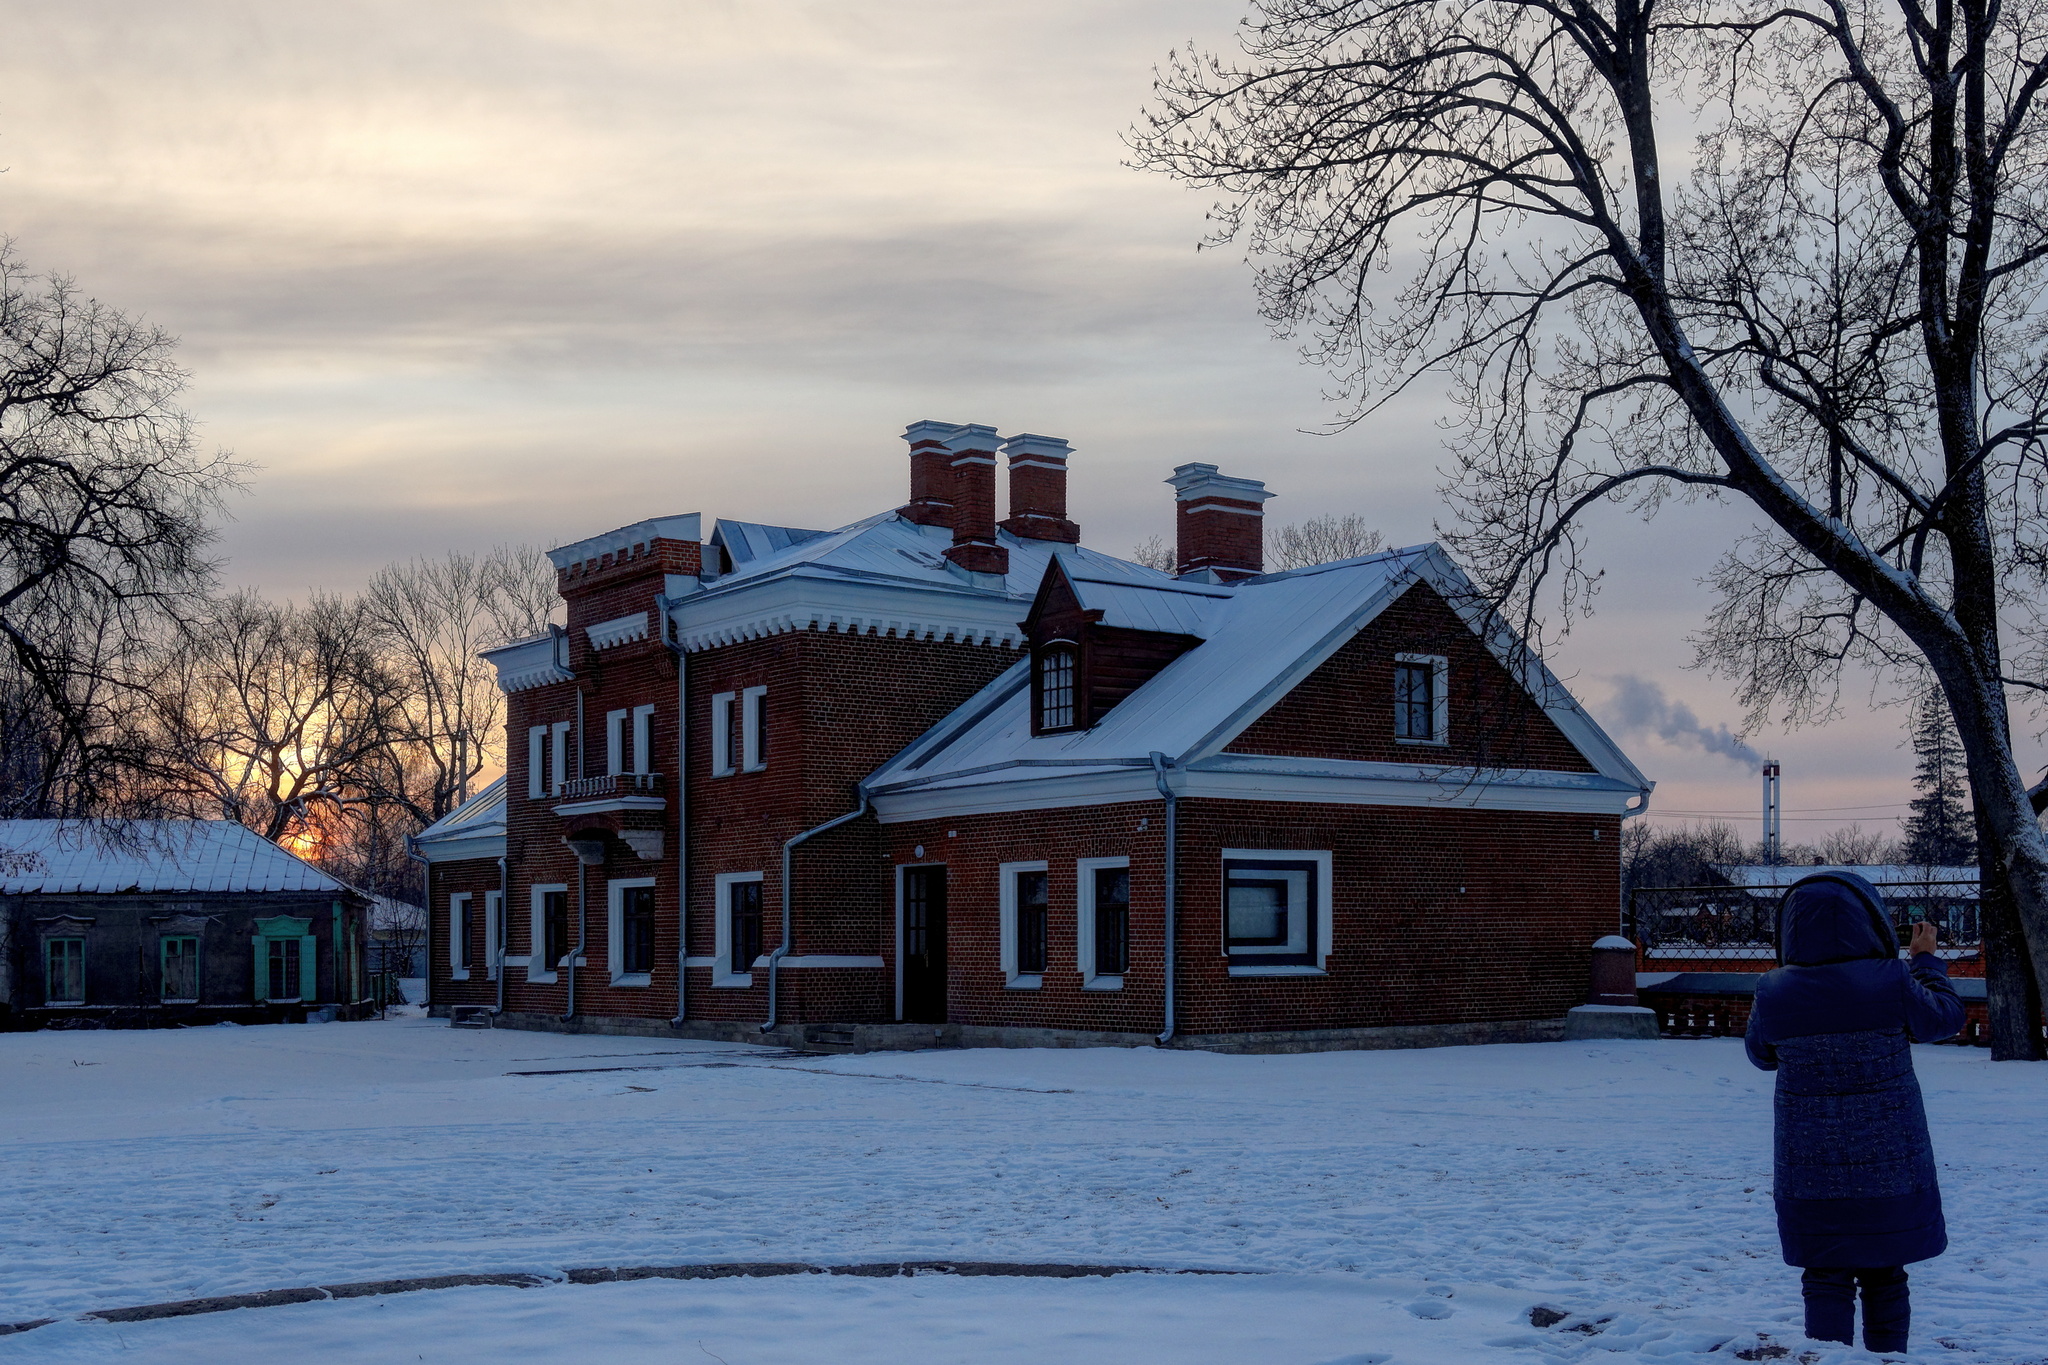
[(931, 473), (1038, 489), (1219, 524), (972, 451)]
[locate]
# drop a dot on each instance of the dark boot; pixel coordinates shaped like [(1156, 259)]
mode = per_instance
[(1887, 1313), (1830, 1304)]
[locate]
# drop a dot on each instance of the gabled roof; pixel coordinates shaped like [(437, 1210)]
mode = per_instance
[(1167, 607), (474, 829), (58, 856), (747, 541), (885, 575), (1261, 636)]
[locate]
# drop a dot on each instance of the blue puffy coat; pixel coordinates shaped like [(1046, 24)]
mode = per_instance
[(1855, 1182)]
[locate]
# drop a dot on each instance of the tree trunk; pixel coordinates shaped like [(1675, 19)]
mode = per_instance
[(2014, 997)]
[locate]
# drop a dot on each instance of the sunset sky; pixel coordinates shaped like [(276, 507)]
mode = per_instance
[(458, 273)]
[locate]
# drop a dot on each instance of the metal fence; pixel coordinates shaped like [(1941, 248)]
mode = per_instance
[(1735, 929)]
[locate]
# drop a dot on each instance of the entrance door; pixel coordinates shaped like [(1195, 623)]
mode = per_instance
[(924, 945)]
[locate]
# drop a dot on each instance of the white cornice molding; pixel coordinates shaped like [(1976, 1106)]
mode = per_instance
[(466, 849), (620, 630), (804, 602), (527, 663), (686, 526)]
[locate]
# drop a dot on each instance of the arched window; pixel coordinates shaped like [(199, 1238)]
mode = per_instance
[(1056, 687)]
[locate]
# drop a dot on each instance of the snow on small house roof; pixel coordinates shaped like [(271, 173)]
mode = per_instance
[(53, 857), (747, 541), (1169, 608)]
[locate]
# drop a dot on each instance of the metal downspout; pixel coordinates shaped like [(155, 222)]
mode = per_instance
[(502, 928), (662, 604), (582, 880), (1159, 767), (789, 897), (426, 894)]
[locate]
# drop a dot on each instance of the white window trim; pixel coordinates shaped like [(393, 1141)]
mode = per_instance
[(618, 753), (458, 916), (536, 928), (721, 961), (47, 940), (494, 933), (1326, 896), (1084, 922), (721, 738), (536, 762), (752, 760), (1439, 697), (643, 739), (615, 931), (558, 768), (1006, 900)]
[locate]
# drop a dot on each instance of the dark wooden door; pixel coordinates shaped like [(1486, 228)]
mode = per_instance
[(924, 945)]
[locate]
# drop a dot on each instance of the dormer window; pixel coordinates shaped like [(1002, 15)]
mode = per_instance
[(1056, 687)]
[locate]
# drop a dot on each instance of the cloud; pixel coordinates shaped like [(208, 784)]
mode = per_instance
[(1639, 707)]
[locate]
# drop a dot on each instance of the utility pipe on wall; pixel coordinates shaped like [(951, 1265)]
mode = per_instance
[(500, 931), (788, 898), (1159, 767), (582, 876), (662, 604)]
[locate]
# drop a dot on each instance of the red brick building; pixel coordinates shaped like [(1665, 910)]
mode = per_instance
[(933, 777)]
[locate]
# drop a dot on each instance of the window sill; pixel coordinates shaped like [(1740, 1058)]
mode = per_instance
[(757, 768), (1425, 743), (1024, 983), (179, 1000), (633, 979), (459, 974), (723, 772), (1103, 983), (732, 981), (1293, 969), (510, 961), (534, 978)]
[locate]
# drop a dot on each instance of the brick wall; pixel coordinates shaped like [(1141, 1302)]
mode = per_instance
[(1345, 709), (1440, 916)]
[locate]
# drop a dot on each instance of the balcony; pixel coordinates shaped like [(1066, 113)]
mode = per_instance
[(611, 792)]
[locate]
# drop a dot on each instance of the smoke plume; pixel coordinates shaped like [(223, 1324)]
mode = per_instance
[(1639, 706)]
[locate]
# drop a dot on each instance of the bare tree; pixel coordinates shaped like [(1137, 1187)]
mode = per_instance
[(1319, 540), (432, 617), (278, 717), (106, 511), (1155, 552), (1836, 316)]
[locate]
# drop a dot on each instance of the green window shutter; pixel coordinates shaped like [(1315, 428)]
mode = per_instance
[(309, 969), (257, 946)]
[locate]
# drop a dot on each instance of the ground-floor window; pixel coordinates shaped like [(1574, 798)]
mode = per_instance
[(743, 910), (1276, 908), (1022, 907), (630, 925), (554, 927), (64, 971), (1112, 920), (283, 964), (180, 968)]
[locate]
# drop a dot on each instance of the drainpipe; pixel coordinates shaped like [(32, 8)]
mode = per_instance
[(582, 924), (1159, 767), (789, 895), (412, 851), (662, 604), (501, 934)]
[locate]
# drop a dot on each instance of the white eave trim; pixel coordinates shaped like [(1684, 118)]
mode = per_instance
[(1239, 777), (795, 602), (621, 630), (527, 663), (462, 850), (603, 804)]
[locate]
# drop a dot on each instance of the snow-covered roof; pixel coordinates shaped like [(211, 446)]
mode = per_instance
[(1169, 607), (60, 856), (1261, 636), (747, 541), (882, 575), (474, 829), (1924, 877)]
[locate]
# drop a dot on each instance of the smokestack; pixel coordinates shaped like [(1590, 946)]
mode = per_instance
[(972, 457), (1773, 845), (1038, 489), (1219, 524), (931, 473)]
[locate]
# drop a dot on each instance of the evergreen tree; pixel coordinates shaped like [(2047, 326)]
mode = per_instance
[(1940, 830)]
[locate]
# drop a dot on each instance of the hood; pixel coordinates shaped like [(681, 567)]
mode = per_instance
[(1833, 917)]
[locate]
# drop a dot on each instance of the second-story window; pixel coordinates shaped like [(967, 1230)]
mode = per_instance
[(1421, 710), (722, 708), (1056, 687), (754, 729)]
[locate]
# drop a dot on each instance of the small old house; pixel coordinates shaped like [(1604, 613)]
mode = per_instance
[(138, 923)]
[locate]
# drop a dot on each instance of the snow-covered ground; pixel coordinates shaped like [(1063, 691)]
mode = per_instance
[(1403, 1206)]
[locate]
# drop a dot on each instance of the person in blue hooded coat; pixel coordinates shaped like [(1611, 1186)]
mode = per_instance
[(1855, 1183)]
